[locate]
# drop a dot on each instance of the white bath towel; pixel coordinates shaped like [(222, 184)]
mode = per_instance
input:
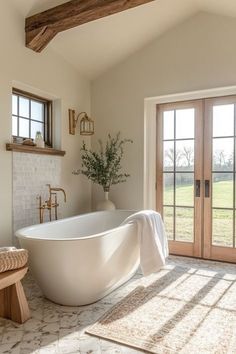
[(152, 239)]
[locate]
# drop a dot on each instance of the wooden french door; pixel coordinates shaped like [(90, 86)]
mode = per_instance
[(219, 179), (179, 174), (196, 175)]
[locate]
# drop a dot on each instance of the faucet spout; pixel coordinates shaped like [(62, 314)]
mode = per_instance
[(57, 189)]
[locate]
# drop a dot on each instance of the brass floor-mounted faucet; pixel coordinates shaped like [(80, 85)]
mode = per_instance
[(51, 203)]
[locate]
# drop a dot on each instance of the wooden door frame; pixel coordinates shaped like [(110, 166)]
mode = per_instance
[(180, 247)]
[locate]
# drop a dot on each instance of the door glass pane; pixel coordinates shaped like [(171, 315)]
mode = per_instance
[(169, 155), (24, 128), (168, 125), (23, 107), (185, 155), (14, 104), (168, 188), (184, 224), (185, 123), (185, 189), (35, 126), (223, 153), (222, 190), (14, 125), (37, 111), (222, 227), (169, 222), (223, 120)]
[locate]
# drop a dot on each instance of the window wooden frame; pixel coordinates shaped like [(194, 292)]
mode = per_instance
[(47, 121)]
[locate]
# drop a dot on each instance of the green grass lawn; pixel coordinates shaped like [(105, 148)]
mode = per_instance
[(222, 194)]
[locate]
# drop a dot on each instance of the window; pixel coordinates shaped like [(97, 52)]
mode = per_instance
[(31, 114)]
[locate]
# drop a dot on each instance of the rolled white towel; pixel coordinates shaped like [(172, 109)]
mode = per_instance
[(7, 249)]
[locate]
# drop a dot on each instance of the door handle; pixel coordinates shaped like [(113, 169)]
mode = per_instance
[(207, 188), (197, 188)]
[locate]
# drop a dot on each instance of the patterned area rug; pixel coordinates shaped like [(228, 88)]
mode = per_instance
[(187, 307)]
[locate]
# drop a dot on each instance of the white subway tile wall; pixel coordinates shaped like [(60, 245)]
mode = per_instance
[(31, 173)]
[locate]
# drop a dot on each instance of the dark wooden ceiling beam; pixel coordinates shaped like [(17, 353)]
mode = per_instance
[(42, 28)]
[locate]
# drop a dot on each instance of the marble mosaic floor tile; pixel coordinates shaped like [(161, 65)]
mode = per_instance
[(55, 329)]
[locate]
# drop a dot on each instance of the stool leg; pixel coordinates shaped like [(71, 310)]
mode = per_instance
[(4, 304), (14, 304)]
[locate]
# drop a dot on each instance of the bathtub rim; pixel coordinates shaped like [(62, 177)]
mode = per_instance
[(19, 233)]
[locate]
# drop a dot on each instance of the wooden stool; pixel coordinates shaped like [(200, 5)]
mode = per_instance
[(13, 303)]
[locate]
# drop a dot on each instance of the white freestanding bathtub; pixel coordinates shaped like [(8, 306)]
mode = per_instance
[(79, 260)]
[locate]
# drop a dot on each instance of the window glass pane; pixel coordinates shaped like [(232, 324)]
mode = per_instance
[(168, 179), (184, 189), (184, 224), (168, 125), (24, 128), (185, 123), (222, 227), (35, 126), (222, 190), (223, 154), (14, 104), (29, 116), (14, 125), (169, 156), (223, 120), (23, 107), (185, 155), (169, 222), (37, 111)]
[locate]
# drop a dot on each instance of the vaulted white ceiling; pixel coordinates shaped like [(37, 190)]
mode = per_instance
[(97, 46)]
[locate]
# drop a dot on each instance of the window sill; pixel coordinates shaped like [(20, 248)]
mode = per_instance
[(33, 149)]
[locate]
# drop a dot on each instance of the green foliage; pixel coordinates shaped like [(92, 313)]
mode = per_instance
[(104, 166)]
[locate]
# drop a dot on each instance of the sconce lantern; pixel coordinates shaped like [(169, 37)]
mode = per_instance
[(86, 123)]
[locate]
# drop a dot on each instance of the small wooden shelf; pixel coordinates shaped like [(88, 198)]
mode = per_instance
[(33, 149)]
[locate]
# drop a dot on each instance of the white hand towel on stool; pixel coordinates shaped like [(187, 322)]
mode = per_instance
[(152, 239)]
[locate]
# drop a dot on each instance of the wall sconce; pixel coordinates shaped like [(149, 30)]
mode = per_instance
[(86, 123)]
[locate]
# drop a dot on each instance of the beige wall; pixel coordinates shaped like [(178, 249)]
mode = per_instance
[(198, 54), (49, 75)]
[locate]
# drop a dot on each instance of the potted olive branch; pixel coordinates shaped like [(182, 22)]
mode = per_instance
[(103, 167)]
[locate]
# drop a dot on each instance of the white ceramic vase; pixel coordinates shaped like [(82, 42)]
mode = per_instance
[(106, 204)]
